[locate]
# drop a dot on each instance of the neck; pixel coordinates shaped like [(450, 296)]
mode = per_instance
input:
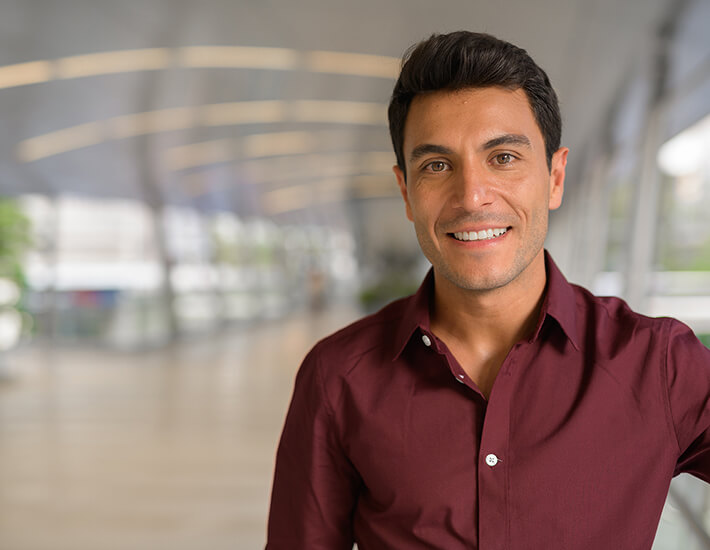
[(489, 323)]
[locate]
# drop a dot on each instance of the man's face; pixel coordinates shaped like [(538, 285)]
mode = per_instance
[(478, 187)]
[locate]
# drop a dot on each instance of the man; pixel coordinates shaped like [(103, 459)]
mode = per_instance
[(500, 407)]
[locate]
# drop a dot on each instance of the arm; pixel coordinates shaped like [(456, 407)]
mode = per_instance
[(688, 378), (315, 485)]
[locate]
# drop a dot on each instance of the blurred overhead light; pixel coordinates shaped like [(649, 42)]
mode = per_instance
[(344, 112), (181, 118), (298, 197), (295, 167), (243, 112), (121, 61), (198, 154), (353, 63), (152, 122), (25, 73), (277, 144), (60, 141), (378, 161), (238, 57), (375, 187), (253, 146), (686, 153)]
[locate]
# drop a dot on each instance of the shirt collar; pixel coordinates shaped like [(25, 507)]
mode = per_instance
[(559, 303), (415, 315)]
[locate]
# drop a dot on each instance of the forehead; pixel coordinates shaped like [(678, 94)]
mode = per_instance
[(469, 115)]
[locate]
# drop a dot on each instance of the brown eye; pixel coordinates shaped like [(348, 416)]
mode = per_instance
[(437, 166), (504, 158)]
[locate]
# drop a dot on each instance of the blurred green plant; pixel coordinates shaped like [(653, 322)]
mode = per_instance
[(680, 258), (397, 276), (15, 239), (388, 288)]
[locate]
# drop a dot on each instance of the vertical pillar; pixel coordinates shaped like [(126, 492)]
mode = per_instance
[(642, 243), (167, 291), (595, 212)]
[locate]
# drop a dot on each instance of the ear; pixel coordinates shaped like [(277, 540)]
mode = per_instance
[(402, 182), (557, 177)]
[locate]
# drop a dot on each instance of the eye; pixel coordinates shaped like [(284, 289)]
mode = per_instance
[(503, 158), (437, 166)]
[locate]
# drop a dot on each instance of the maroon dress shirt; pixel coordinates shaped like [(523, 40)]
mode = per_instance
[(388, 443)]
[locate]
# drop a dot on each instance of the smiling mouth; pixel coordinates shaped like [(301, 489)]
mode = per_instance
[(482, 235)]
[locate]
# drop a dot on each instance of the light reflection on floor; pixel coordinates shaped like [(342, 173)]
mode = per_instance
[(169, 449)]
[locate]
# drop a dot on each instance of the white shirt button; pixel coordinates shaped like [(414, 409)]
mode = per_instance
[(491, 460), (460, 378), (426, 340)]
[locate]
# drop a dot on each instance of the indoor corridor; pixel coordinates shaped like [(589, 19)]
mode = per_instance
[(192, 193)]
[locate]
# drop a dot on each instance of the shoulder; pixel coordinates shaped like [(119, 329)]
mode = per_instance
[(356, 356), (600, 325), (370, 336), (613, 330), (611, 316)]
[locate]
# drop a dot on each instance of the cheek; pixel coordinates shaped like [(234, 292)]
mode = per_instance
[(421, 205), (427, 217)]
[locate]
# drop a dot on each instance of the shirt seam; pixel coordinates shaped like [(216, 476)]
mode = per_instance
[(332, 424), (330, 411), (667, 394), (329, 408)]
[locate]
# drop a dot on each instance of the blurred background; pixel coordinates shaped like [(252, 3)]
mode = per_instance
[(192, 193)]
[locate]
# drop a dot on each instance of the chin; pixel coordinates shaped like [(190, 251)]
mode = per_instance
[(480, 282)]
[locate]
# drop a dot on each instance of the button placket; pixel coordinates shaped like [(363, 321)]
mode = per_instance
[(494, 469)]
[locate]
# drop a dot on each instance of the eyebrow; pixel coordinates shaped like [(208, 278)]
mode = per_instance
[(428, 149), (507, 139)]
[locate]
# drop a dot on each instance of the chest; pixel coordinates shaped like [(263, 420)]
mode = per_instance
[(555, 436)]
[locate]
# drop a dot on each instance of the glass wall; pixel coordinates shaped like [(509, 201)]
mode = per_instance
[(95, 273)]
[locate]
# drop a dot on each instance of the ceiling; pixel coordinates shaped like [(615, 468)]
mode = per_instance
[(248, 105)]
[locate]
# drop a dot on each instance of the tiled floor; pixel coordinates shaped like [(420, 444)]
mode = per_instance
[(169, 449)]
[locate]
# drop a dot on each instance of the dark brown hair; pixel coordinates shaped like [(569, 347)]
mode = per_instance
[(466, 59)]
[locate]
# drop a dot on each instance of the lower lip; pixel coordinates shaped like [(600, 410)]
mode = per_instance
[(480, 243)]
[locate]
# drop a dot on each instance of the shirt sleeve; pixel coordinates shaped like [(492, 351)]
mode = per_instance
[(315, 485), (688, 372)]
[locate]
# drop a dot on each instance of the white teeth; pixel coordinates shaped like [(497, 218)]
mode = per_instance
[(484, 234)]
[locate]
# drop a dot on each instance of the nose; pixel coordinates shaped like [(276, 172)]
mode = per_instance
[(472, 189)]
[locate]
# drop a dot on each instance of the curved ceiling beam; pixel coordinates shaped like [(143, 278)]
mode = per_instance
[(181, 118), (327, 190), (206, 57), (294, 149), (301, 167)]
